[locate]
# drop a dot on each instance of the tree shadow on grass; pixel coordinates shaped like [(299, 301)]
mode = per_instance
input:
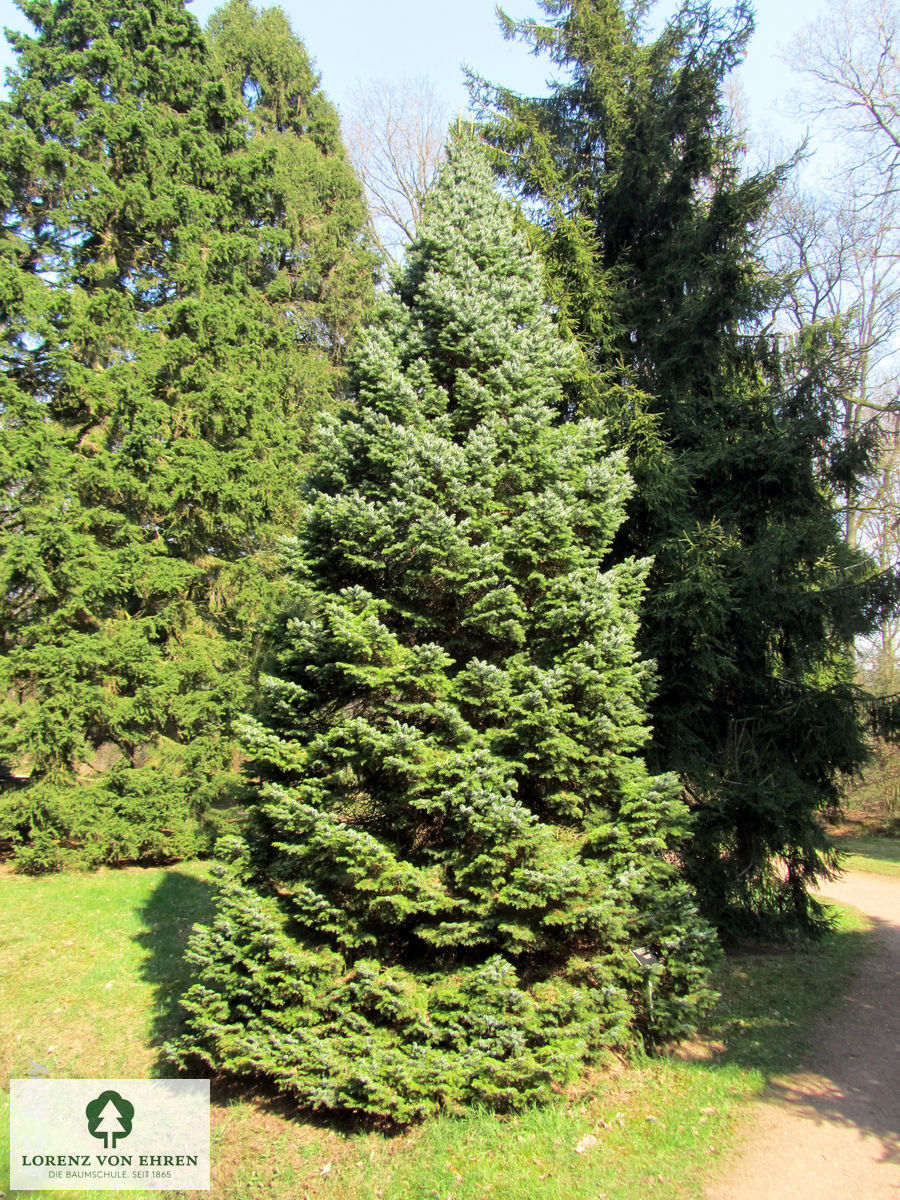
[(179, 901)]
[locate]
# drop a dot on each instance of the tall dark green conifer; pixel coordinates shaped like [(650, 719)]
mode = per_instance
[(754, 600), (456, 844), (305, 191), (162, 366)]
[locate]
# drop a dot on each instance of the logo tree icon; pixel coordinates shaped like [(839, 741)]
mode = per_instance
[(109, 1117)]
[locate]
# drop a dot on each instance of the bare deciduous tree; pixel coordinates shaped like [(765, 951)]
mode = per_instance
[(395, 133), (840, 247), (838, 252), (852, 57)]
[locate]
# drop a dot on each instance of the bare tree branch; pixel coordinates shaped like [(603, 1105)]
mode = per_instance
[(851, 56), (839, 249), (395, 133)]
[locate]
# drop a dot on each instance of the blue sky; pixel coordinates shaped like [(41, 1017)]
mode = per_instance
[(354, 40)]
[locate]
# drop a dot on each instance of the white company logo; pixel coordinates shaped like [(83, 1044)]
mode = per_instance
[(55, 1125)]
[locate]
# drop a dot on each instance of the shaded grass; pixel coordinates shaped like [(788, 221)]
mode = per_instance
[(769, 999), (92, 967), (880, 855)]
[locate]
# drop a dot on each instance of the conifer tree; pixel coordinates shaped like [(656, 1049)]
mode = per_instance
[(162, 367), (456, 845), (754, 600), (306, 190)]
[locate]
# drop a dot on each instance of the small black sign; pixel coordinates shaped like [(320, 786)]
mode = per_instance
[(645, 958)]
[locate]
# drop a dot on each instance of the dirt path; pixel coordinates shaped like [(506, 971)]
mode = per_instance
[(832, 1132)]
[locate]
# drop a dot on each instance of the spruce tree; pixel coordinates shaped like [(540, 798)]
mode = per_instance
[(456, 845), (649, 221), (162, 368)]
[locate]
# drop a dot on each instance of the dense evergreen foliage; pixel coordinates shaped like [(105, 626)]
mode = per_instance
[(167, 340), (456, 845), (310, 201), (635, 176)]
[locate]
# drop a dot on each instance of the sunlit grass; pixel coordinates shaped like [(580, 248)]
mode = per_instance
[(880, 855)]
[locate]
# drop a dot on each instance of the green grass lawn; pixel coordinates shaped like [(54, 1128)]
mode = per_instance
[(91, 967), (878, 854)]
